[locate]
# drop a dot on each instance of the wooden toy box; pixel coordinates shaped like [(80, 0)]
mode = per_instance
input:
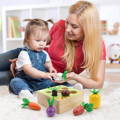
[(61, 103)]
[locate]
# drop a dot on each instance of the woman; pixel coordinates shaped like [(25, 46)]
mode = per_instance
[(76, 44)]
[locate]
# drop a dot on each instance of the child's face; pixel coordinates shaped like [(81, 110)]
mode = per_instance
[(37, 44)]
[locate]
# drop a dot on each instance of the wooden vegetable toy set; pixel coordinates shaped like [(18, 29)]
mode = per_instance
[(65, 98), (60, 99)]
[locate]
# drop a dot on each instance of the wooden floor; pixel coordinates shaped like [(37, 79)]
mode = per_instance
[(113, 77)]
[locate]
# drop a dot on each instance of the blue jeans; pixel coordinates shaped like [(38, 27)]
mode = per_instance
[(5, 65), (17, 84)]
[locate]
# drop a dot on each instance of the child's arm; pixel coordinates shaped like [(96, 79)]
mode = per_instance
[(50, 67), (48, 64), (23, 63), (33, 72)]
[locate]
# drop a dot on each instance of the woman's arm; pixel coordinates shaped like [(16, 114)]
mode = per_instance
[(88, 82)]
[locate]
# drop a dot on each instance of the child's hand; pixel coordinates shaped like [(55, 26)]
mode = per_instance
[(58, 78), (50, 76)]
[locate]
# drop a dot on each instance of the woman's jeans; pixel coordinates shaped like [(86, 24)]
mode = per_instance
[(5, 74)]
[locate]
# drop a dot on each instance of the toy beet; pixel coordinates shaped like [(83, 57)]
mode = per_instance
[(65, 92), (51, 110), (31, 105), (78, 110), (94, 98)]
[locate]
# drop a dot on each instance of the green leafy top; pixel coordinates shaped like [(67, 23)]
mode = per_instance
[(50, 102), (54, 88), (88, 107), (25, 102), (64, 75), (95, 91)]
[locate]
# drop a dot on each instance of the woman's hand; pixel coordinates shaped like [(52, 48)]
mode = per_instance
[(72, 76), (12, 66)]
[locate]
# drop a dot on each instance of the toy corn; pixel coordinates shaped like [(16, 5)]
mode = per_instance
[(95, 98)]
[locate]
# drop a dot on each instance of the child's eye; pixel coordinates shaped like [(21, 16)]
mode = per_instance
[(41, 40), (44, 40), (38, 40)]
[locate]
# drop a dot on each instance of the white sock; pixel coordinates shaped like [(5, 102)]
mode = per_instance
[(26, 94), (78, 86)]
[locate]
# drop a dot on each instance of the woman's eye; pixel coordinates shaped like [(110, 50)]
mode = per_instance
[(75, 27)]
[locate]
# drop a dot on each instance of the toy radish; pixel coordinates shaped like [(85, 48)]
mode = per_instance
[(51, 110), (31, 105), (64, 75), (95, 98), (78, 110), (81, 108)]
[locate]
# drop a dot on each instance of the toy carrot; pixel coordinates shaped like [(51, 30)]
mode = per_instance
[(95, 98), (31, 105)]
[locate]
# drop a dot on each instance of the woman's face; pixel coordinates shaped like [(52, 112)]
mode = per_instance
[(73, 29)]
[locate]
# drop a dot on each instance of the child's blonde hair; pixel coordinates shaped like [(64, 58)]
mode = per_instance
[(38, 28), (89, 19)]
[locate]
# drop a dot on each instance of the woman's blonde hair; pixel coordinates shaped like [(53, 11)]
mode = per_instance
[(89, 19), (38, 28)]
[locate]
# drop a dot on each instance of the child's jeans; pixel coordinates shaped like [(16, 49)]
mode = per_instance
[(17, 84)]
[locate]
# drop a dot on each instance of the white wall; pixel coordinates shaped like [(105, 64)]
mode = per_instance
[(106, 12), (25, 2), (21, 2), (29, 2)]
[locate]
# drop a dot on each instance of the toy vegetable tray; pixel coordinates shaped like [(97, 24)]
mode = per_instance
[(66, 99)]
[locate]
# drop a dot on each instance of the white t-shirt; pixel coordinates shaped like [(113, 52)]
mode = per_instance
[(23, 59)]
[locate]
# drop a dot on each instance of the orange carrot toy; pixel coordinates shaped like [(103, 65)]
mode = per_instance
[(31, 105)]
